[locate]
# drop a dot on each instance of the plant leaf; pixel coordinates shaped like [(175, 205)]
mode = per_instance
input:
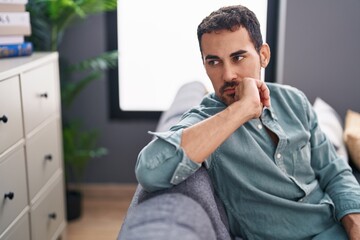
[(79, 148), (105, 61), (58, 15), (70, 90)]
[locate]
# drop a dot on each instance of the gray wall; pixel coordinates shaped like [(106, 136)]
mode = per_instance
[(322, 49), (320, 56)]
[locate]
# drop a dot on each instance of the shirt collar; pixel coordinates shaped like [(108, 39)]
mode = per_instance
[(270, 111)]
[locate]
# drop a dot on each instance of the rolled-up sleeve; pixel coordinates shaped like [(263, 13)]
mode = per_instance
[(334, 174), (163, 163)]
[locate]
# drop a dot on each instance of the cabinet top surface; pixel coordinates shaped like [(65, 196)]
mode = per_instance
[(16, 65)]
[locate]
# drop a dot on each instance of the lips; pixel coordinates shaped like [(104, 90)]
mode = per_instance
[(229, 91)]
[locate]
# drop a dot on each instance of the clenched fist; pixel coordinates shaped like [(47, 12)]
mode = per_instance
[(253, 94)]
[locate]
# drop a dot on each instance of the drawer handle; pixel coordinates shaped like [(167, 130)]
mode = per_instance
[(9, 195), (48, 157), (4, 119), (52, 216), (44, 95)]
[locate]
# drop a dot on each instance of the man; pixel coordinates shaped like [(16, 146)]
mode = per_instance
[(274, 170)]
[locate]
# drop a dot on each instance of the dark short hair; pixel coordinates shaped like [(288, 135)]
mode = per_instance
[(231, 18)]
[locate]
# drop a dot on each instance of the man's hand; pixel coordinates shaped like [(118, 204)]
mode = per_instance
[(201, 139), (351, 223), (254, 94)]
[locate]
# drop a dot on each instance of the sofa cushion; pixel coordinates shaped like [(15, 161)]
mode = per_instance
[(189, 95), (331, 124)]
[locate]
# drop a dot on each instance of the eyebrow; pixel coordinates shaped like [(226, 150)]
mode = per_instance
[(240, 52), (211, 57)]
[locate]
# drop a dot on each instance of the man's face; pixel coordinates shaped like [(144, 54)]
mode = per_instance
[(228, 57)]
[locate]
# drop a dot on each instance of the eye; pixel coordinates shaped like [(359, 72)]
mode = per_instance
[(213, 62), (238, 58)]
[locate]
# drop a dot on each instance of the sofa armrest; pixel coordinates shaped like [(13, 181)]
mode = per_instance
[(168, 216), (197, 188)]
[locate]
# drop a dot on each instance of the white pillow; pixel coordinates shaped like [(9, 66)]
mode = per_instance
[(352, 136), (330, 123)]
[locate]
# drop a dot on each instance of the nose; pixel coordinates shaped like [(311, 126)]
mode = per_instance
[(229, 73)]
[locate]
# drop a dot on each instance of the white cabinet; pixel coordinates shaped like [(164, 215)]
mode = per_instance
[(42, 150), (10, 113), (39, 94), (32, 199), (13, 196)]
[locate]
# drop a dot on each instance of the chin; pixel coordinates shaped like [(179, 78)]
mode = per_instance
[(228, 100)]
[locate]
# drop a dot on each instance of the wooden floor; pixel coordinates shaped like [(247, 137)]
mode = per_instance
[(104, 209)]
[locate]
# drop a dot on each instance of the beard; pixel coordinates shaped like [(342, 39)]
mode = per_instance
[(227, 98)]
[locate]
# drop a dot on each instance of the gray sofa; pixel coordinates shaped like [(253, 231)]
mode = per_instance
[(188, 211)]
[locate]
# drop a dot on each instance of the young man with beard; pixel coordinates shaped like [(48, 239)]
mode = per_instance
[(276, 173)]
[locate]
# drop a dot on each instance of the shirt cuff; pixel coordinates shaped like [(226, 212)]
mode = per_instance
[(349, 203), (184, 170), (186, 167)]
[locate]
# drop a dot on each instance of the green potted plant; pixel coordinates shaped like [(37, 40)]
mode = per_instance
[(49, 21)]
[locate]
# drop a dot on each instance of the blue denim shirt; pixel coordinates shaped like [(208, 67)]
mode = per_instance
[(294, 189)]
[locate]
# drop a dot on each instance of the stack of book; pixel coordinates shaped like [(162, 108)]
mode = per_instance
[(14, 26)]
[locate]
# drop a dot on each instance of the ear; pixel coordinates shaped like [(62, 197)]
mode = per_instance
[(264, 55)]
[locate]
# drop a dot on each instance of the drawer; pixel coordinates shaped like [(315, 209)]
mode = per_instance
[(11, 129), (13, 193), (43, 156), (20, 231), (48, 214), (40, 95)]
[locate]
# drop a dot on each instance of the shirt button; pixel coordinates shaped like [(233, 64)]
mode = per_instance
[(260, 126), (176, 177), (278, 155)]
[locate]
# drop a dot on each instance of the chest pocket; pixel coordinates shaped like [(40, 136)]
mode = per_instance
[(302, 162)]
